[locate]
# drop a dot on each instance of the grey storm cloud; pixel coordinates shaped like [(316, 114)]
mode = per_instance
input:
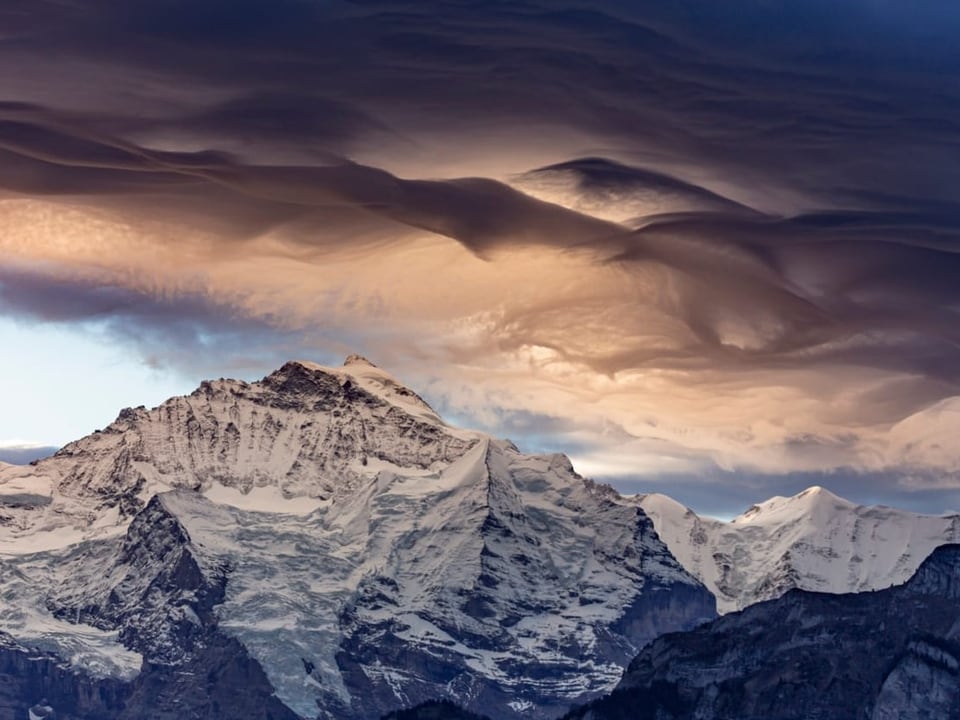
[(46, 158), (785, 174), (839, 98), (184, 327)]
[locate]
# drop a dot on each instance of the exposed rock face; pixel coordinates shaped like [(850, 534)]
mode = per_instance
[(152, 590), (321, 543), (220, 682), (893, 653), (157, 591), (434, 710), (924, 684), (27, 675), (546, 587)]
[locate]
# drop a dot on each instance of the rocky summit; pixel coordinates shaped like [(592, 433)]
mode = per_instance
[(320, 544)]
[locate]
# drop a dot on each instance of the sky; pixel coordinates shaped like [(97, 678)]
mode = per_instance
[(707, 249)]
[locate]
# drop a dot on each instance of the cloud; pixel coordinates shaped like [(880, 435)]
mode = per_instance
[(621, 193), (170, 328), (672, 235), (478, 212), (24, 454)]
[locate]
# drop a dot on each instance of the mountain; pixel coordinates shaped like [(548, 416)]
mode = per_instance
[(434, 710), (321, 543), (813, 541), (882, 655)]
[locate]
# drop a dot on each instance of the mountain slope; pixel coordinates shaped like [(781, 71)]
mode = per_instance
[(303, 431), (124, 628), (813, 541), (880, 655), (363, 553)]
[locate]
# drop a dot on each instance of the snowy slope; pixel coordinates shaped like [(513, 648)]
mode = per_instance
[(495, 568), (813, 541), (366, 554), (302, 432)]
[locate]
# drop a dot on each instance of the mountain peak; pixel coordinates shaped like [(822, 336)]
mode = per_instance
[(779, 509), (657, 504), (302, 435), (813, 540), (361, 550), (355, 359), (302, 378), (306, 377)]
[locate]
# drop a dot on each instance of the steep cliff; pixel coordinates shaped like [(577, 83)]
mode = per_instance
[(892, 653)]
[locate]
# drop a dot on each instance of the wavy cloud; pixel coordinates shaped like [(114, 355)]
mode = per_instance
[(677, 238)]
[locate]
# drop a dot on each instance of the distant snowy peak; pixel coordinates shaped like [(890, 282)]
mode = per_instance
[(814, 500), (814, 540)]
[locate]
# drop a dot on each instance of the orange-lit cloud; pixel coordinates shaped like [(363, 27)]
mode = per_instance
[(731, 257)]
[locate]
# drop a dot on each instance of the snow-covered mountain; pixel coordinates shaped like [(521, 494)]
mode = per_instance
[(813, 541), (355, 552), (303, 432)]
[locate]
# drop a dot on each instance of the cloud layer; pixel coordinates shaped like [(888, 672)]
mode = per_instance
[(676, 238)]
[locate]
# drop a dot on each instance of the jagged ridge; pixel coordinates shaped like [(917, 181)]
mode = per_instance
[(304, 430), (155, 589)]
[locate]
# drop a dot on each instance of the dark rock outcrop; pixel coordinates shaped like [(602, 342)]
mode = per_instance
[(157, 591), (886, 654), (221, 682), (434, 710), (27, 675)]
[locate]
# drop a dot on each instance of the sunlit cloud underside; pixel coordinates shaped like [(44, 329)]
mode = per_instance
[(671, 243)]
